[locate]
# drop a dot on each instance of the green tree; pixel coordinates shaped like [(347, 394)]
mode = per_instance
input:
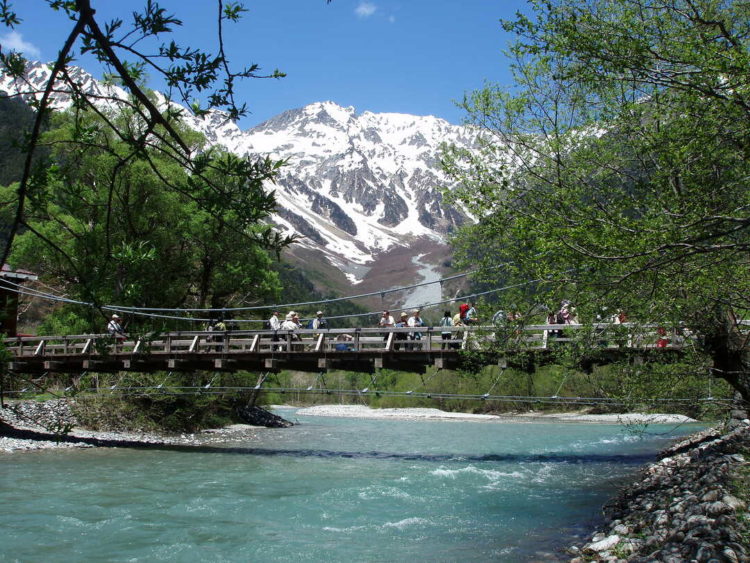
[(128, 51), (103, 225), (615, 171)]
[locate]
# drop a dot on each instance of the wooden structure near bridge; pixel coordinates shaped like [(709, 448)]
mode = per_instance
[(353, 349)]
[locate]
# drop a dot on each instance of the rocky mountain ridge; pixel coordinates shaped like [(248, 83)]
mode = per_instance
[(355, 187)]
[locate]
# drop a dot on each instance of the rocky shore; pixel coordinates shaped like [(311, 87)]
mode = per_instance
[(51, 424), (683, 508)]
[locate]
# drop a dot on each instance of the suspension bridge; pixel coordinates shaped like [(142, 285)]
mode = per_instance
[(352, 349), (363, 350)]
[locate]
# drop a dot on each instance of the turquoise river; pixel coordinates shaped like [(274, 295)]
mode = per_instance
[(327, 489)]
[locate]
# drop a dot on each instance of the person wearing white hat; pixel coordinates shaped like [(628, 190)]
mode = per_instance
[(289, 323), (114, 327), (319, 321)]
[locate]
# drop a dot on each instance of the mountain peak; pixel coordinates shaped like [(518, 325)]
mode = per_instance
[(355, 186), (331, 109)]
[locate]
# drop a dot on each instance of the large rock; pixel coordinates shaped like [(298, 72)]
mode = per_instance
[(261, 417)]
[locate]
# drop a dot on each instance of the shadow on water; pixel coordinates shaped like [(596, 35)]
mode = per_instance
[(630, 459)]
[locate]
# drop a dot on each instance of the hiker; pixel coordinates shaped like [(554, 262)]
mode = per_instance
[(318, 322), (471, 317), (446, 321), (415, 321), (274, 324), (402, 323), (114, 328), (386, 321), (291, 323), (220, 326)]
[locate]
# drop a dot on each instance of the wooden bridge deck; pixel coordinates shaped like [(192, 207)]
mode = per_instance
[(360, 349)]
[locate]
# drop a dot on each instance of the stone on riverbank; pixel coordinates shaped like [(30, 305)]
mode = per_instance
[(35, 425), (682, 507)]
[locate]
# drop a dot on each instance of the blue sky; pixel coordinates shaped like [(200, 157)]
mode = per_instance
[(405, 56)]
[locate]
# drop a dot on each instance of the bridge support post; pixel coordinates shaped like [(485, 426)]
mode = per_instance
[(324, 363), (271, 363), (223, 363), (440, 363), (378, 363), (52, 366)]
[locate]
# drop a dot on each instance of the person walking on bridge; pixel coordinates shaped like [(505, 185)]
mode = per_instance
[(114, 328), (274, 323), (471, 317), (446, 321), (415, 321), (386, 321), (319, 322)]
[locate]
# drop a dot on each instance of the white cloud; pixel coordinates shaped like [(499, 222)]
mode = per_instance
[(365, 9), (13, 41)]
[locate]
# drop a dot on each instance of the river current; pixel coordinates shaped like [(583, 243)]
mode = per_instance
[(328, 489)]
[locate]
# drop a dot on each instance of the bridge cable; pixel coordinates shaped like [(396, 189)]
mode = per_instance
[(141, 311)]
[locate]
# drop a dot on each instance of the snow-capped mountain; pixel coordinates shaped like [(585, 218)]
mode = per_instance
[(356, 186)]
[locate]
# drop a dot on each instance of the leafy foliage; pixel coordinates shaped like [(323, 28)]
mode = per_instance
[(111, 233), (127, 51), (615, 173)]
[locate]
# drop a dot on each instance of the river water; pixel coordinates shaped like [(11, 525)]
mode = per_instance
[(328, 489)]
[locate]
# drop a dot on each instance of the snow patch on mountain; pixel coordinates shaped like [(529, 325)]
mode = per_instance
[(355, 185)]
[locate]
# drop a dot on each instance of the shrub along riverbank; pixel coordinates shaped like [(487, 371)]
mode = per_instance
[(175, 402), (613, 388)]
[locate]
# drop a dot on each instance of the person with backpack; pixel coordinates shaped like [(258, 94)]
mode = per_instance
[(318, 322), (462, 309), (471, 317)]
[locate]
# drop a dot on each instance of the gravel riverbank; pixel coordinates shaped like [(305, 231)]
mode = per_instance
[(38, 425), (682, 508)]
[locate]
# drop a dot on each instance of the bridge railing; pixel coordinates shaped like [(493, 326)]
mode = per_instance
[(325, 341)]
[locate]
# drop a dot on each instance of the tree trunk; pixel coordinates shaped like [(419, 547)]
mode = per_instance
[(728, 348)]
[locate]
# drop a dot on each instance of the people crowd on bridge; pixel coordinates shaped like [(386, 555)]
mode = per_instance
[(409, 339)]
